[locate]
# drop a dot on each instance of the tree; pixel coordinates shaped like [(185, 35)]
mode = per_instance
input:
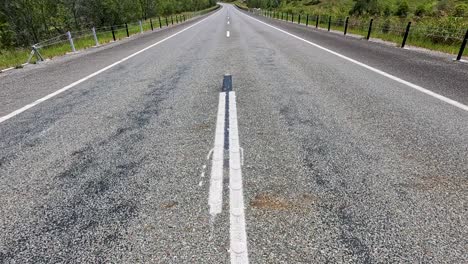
[(24, 22)]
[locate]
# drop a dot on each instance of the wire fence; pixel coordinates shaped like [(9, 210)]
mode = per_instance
[(451, 39), (95, 36), (83, 39)]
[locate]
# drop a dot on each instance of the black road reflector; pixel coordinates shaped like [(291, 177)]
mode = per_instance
[(227, 83)]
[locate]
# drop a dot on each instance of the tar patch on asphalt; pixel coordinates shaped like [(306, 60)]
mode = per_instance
[(227, 83), (267, 201)]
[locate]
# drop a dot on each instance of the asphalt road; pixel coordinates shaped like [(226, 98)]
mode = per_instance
[(341, 164)]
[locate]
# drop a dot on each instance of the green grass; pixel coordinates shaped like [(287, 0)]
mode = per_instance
[(15, 57), (342, 7), (415, 38), (240, 4)]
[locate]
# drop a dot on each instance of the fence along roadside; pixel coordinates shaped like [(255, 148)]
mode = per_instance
[(451, 40), (93, 37)]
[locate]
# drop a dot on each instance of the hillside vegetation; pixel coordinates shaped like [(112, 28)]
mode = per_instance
[(44, 23), (401, 8), (24, 22), (436, 24)]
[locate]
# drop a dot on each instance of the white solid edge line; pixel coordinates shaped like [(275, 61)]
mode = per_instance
[(19, 111), (412, 85), (227, 34), (237, 231), (7, 69), (215, 196)]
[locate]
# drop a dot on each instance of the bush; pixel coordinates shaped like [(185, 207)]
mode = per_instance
[(403, 9), (460, 10), (387, 11), (420, 11), (359, 7), (6, 36), (374, 7)]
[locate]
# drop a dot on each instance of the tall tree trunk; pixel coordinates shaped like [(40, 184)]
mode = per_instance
[(74, 15), (44, 20), (27, 11)]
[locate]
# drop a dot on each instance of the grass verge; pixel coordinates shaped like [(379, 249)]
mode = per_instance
[(16, 57), (394, 34)]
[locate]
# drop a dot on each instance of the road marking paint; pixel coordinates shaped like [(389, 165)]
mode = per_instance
[(238, 234), (227, 139), (215, 197), (412, 85), (228, 22), (209, 154), (202, 175), (228, 34), (11, 68), (24, 108), (203, 171)]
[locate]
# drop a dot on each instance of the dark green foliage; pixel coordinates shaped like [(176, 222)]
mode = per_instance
[(359, 7), (420, 11), (6, 34), (402, 9), (24, 22), (387, 11)]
